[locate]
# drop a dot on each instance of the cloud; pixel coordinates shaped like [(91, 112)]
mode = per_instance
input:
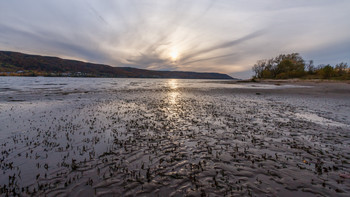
[(94, 11), (209, 58), (222, 45), (209, 35)]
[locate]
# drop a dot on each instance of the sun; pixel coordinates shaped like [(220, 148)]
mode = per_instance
[(174, 55)]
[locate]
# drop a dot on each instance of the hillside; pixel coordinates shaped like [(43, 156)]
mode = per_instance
[(14, 63)]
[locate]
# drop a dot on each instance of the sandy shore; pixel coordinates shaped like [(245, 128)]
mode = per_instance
[(175, 137), (320, 87)]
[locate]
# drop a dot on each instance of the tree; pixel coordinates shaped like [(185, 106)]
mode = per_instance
[(259, 67), (341, 68), (327, 71), (282, 66), (310, 67)]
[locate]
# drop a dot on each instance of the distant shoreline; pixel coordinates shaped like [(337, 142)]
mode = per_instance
[(20, 64), (106, 77)]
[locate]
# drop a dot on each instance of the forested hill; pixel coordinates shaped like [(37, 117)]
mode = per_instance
[(19, 64)]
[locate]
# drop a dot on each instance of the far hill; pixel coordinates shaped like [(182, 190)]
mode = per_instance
[(14, 63)]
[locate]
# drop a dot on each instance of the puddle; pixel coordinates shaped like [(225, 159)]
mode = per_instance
[(319, 120)]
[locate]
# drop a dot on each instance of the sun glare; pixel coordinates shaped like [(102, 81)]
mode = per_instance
[(174, 55)]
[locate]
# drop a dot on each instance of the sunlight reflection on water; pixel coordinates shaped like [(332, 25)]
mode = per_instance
[(173, 94), (173, 83)]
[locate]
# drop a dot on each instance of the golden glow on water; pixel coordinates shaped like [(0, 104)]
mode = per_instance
[(173, 97), (173, 94), (173, 84)]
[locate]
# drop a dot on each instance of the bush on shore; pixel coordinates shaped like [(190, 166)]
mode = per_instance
[(286, 66)]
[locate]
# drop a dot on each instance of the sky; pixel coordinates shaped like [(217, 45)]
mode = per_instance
[(225, 36)]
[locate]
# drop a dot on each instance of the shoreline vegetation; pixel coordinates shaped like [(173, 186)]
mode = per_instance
[(293, 66)]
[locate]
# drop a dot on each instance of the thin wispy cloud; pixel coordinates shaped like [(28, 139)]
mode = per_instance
[(206, 35), (220, 46)]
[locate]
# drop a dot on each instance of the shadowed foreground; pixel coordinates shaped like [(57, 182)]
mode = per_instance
[(165, 138)]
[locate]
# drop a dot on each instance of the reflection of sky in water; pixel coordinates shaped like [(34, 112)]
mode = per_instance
[(35, 84), (173, 94), (173, 83), (319, 120)]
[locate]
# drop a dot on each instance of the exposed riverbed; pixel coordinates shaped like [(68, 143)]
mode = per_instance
[(102, 137)]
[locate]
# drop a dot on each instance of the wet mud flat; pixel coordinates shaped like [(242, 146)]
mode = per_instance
[(173, 140)]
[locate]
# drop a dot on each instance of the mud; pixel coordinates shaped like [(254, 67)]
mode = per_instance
[(148, 137)]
